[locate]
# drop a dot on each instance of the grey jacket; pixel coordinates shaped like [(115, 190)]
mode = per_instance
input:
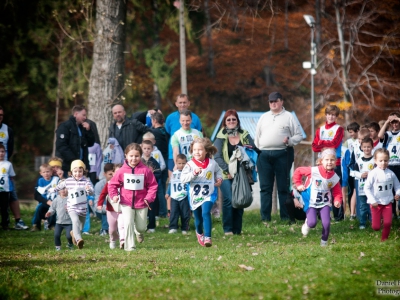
[(59, 206)]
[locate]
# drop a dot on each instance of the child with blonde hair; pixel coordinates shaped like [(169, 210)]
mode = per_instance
[(203, 174), (319, 190), (78, 185)]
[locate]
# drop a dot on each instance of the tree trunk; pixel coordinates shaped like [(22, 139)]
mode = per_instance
[(106, 78), (59, 83), (287, 23), (344, 80), (211, 70), (318, 23)]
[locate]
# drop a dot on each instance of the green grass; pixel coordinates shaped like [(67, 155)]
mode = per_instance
[(165, 266)]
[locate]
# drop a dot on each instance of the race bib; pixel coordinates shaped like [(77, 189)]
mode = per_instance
[(134, 182), (92, 159), (77, 195)]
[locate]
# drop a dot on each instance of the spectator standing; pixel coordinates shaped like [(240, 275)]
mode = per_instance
[(7, 139), (126, 130), (74, 137), (228, 138), (172, 124), (276, 133)]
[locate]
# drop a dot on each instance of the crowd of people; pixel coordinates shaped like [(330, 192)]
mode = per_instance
[(164, 168)]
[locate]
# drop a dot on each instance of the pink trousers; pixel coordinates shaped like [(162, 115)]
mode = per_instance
[(115, 221), (382, 212)]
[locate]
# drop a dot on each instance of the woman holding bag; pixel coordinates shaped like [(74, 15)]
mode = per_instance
[(228, 138)]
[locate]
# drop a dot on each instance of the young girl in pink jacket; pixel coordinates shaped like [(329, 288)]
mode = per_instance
[(138, 188)]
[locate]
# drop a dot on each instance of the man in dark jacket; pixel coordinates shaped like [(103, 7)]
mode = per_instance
[(74, 137), (126, 130)]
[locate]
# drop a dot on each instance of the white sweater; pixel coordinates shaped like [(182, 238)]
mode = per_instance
[(379, 184)]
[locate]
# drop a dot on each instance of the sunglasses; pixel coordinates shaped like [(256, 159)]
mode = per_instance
[(231, 120), (273, 101)]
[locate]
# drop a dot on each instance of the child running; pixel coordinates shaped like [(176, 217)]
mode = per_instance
[(203, 174), (77, 185), (58, 206), (114, 214), (177, 201), (321, 184), (378, 189), (138, 188)]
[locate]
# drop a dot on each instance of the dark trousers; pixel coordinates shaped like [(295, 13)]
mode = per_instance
[(179, 209), (92, 177), (274, 164), (338, 213), (232, 218), (57, 233), (4, 200), (294, 212), (350, 187), (152, 213)]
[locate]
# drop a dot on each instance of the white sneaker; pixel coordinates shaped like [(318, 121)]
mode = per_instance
[(361, 227), (184, 232), (112, 245), (324, 243), (151, 230), (172, 231), (305, 229)]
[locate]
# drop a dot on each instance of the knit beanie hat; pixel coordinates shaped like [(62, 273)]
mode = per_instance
[(77, 163)]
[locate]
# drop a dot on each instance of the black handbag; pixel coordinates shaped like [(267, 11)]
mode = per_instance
[(241, 190)]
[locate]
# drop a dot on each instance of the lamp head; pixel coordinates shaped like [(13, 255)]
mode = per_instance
[(310, 20)]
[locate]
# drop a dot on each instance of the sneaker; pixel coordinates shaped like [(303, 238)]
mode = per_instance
[(361, 227), (229, 233), (80, 243), (305, 229), (70, 246), (324, 243), (140, 237), (73, 238), (103, 232), (112, 245), (122, 245), (207, 241), (352, 217), (86, 233), (20, 225), (172, 231), (200, 239), (151, 230), (184, 232), (58, 248), (35, 228), (46, 225)]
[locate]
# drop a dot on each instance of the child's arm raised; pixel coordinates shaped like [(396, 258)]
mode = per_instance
[(298, 178), (188, 174)]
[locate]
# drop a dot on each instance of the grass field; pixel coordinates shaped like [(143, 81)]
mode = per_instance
[(271, 261)]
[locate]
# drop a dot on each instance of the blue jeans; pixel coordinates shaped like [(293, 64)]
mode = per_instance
[(103, 218), (231, 217), (365, 210), (202, 218), (86, 227), (274, 164)]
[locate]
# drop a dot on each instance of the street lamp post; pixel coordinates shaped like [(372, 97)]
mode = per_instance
[(312, 65)]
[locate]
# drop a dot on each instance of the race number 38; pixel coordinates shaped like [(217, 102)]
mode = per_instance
[(134, 182)]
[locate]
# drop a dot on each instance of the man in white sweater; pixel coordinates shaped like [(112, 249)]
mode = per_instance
[(276, 134)]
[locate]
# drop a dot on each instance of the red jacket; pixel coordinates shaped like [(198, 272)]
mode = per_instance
[(134, 199), (306, 171), (336, 142), (102, 198)]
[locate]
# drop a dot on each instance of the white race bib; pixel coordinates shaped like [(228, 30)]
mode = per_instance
[(92, 159), (134, 182), (77, 195)]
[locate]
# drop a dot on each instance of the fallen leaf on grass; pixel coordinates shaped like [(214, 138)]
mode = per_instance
[(219, 258), (356, 272), (247, 268), (254, 254), (361, 255), (82, 256)]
